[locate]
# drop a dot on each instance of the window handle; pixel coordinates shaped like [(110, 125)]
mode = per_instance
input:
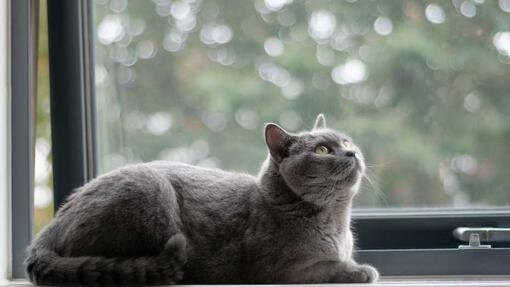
[(486, 234)]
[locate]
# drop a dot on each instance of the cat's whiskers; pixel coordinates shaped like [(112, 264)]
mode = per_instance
[(376, 165), (375, 186), (340, 169)]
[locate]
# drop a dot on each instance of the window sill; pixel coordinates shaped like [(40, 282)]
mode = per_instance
[(400, 281), (444, 281)]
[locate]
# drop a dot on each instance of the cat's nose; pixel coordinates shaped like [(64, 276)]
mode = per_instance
[(350, 153)]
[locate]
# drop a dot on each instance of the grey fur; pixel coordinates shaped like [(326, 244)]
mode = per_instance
[(166, 223)]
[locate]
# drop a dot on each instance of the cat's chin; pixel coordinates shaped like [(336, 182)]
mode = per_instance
[(350, 182), (353, 167), (356, 171), (360, 165)]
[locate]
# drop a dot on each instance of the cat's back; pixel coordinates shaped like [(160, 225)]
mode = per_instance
[(196, 181), (212, 202)]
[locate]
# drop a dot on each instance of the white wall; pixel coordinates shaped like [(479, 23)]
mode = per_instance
[(5, 254)]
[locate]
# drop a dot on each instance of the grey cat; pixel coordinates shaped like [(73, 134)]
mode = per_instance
[(168, 223)]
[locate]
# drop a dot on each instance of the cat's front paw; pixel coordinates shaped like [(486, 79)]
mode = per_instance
[(354, 273), (368, 274)]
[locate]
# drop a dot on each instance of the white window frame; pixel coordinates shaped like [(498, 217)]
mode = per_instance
[(5, 191)]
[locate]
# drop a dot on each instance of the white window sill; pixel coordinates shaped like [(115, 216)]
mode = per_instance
[(401, 281)]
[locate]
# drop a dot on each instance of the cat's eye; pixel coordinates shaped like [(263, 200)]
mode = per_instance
[(321, 150)]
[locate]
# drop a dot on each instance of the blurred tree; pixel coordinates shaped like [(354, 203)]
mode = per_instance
[(422, 86)]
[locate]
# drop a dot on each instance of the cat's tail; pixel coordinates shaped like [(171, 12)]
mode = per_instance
[(46, 267)]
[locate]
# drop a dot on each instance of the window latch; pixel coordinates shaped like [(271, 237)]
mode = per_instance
[(474, 235), (474, 243)]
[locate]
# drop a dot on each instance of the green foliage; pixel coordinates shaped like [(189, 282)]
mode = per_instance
[(430, 110)]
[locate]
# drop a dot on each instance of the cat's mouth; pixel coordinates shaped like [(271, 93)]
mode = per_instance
[(349, 175), (350, 170), (346, 168)]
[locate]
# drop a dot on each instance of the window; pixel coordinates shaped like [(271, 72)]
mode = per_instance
[(420, 85)]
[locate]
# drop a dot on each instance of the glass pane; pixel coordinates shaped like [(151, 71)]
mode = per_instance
[(421, 86), (43, 171)]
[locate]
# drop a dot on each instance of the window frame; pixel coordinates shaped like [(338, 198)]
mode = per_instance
[(71, 95), (73, 139), (405, 243), (5, 216), (23, 40), (397, 243)]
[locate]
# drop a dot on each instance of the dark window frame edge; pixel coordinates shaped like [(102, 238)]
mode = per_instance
[(72, 95), (420, 232)]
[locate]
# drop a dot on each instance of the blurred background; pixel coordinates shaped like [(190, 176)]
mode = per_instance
[(421, 86)]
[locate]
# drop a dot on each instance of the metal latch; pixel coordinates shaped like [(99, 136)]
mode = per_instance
[(475, 235), (474, 243)]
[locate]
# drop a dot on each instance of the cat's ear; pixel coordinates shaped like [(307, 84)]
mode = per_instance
[(278, 141), (320, 122)]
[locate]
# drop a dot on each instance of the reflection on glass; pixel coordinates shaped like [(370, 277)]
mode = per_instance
[(421, 86)]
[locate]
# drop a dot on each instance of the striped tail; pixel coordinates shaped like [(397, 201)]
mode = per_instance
[(45, 267)]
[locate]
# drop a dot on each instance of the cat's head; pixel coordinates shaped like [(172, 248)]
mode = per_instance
[(320, 165)]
